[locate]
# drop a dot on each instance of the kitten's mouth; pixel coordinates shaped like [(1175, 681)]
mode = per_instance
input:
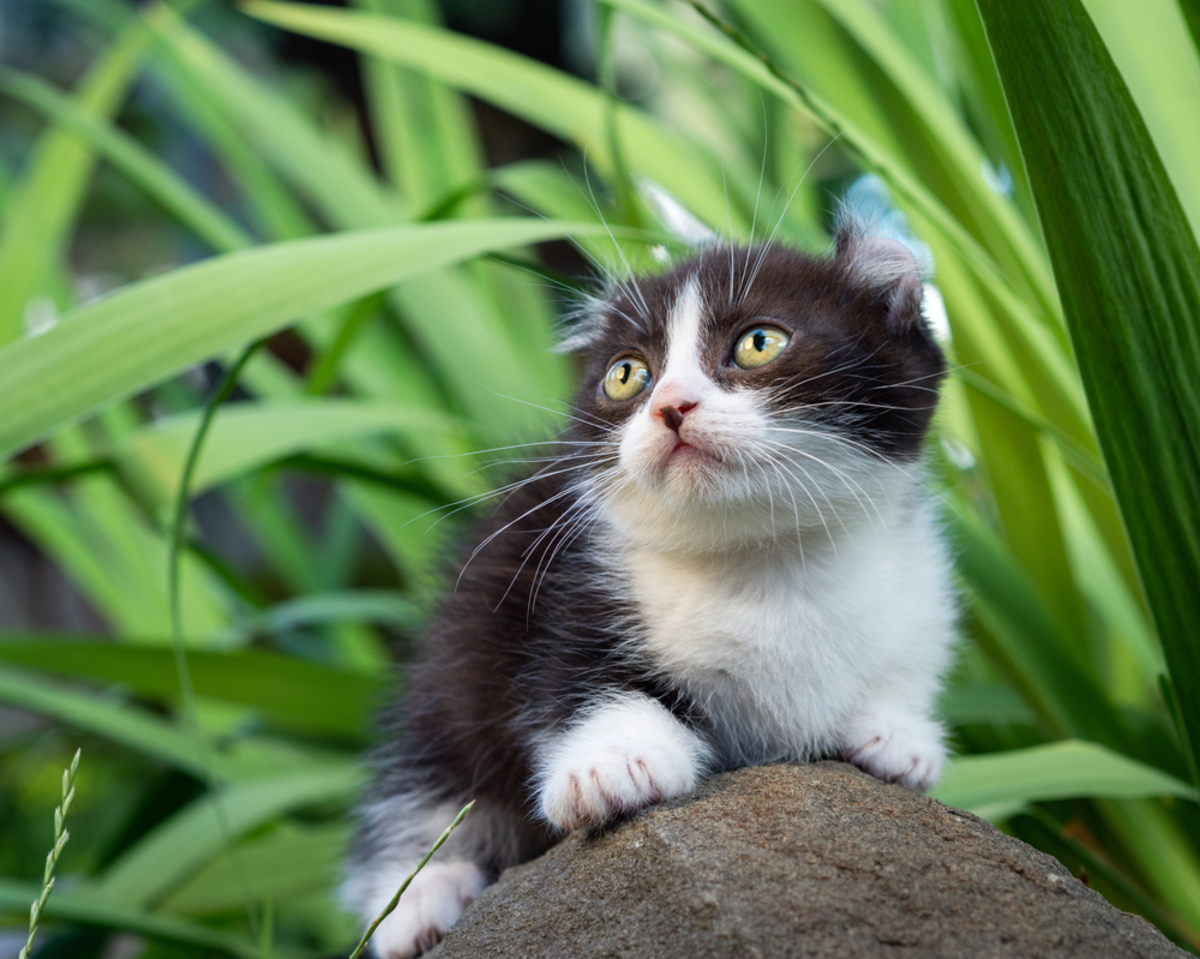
[(687, 452)]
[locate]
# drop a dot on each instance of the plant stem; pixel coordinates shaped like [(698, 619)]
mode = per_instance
[(387, 910), (60, 840)]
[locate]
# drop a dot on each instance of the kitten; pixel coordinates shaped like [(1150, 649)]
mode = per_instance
[(732, 562)]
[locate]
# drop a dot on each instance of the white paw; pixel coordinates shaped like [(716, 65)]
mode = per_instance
[(896, 747), (625, 754), (430, 906)]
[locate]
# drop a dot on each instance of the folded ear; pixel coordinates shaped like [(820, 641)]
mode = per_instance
[(582, 327), (888, 268)]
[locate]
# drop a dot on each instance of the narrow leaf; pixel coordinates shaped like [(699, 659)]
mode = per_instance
[(81, 908), (248, 435), (302, 694), (43, 206), (107, 350), (548, 98), (1128, 272), (198, 833), (131, 727), (1068, 769), (190, 208)]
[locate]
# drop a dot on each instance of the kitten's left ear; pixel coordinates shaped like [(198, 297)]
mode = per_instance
[(890, 270)]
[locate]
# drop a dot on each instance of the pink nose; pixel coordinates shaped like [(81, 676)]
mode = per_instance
[(672, 416)]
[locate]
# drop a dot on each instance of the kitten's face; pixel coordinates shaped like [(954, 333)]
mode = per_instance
[(753, 393)]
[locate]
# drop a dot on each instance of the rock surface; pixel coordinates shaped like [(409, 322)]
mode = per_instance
[(796, 861)]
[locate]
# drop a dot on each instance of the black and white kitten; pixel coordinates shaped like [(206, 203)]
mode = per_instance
[(732, 562)]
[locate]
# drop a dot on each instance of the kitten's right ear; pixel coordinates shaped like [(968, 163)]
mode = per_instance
[(888, 268), (582, 328)]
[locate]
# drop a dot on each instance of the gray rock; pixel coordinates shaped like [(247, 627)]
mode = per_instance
[(796, 861)]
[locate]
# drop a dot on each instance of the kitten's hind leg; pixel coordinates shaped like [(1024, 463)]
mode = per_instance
[(624, 753), (394, 835)]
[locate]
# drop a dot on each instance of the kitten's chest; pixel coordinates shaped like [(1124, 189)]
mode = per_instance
[(761, 642)]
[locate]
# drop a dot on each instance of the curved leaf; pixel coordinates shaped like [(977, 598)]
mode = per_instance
[(1064, 770), (545, 97), (71, 906), (134, 728), (248, 435), (148, 331), (284, 687), (199, 832), (193, 210), (42, 208), (1128, 272)]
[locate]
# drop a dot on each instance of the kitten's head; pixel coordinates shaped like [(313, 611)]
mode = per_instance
[(756, 392)]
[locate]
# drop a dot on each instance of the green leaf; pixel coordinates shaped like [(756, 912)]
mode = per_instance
[(361, 605), (426, 139), (200, 832), (284, 688), (134, 728), (1158, 59), (245, 436), (545, 97), (148, 331), (42, 209), (1068, 769), (1128, 272), (342, 187), (190, 208), (881, 157), (79, 907), (1023, 640), (973, 704), (104, 527), (1191, 13), (292, 861), (947, 136)]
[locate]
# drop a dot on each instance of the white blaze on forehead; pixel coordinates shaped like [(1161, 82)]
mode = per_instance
[(683, 337)]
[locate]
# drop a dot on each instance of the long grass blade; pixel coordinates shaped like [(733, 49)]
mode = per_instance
[(105, 351), (42, 210), (1128, 271)]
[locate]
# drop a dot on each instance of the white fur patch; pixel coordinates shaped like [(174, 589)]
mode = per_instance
[(429, 907), (403, 828), (785, 650), (896, 744), (623, 754), (683, 338)]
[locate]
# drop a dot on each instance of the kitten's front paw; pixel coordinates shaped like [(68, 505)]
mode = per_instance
[(628, 753), (430, 906), (596, 788), (896, 747)]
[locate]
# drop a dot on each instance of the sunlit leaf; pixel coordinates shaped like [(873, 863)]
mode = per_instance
[(1063, 770), (1128, 271), (283, 687), (200, 832), (104, 351), (78, 907), (248, 435)]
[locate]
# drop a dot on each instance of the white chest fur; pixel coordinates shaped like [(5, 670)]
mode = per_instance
[(781, 651)]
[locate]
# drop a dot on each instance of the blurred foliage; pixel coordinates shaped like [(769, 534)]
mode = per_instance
[(403, 273)]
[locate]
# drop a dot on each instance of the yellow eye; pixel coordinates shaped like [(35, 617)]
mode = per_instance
[(626, 378), (759, 346)]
